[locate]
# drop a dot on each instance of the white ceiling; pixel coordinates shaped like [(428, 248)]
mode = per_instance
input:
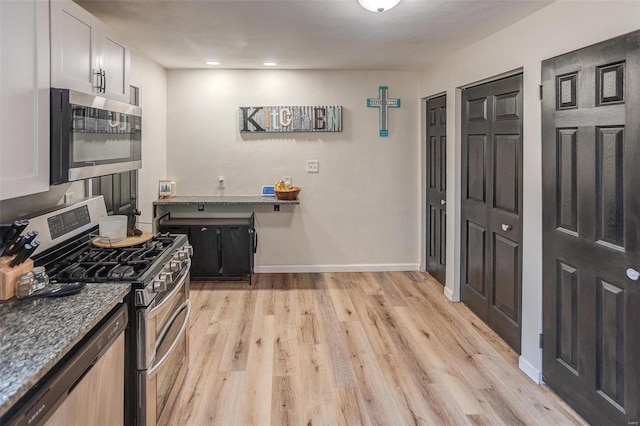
[(305, 34)]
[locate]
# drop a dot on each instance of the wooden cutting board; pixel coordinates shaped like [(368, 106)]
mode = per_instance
[(127, 242)]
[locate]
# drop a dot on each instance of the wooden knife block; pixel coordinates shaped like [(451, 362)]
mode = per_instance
[(9, 276)]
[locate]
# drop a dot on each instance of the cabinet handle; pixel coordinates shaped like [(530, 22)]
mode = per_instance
[(506, 227), (255, 241), (100, 77), (104, 81), (443, 202)]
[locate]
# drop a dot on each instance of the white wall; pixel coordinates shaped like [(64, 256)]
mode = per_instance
[(559, 28), (152, 80), (361, 212)]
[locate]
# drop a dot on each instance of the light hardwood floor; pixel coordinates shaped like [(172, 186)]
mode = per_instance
[(382, 348)]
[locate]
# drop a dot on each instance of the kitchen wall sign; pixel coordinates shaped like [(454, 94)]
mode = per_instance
[(383, 103), (286, 119)]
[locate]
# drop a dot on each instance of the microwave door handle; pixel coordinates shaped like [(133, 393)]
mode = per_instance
[(183, 327)]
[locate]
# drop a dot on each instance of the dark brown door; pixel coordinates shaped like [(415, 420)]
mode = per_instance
[(491, 257), (436, 187), (119, 191), (591, 203)]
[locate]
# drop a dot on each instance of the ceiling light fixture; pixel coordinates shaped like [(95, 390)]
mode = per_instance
[(270, 64), (378, 5), (212, 63)]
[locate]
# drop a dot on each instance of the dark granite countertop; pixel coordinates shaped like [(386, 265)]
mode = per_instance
[(223, 200), (36, 333)]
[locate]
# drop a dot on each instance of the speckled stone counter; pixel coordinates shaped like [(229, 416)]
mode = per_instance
[(36, 333), (223, 200)]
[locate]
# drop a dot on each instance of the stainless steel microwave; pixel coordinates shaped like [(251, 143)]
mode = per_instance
[(92, 136)]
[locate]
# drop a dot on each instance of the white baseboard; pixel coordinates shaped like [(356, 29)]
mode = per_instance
[(533, 373), (365, 267), (449, 294)]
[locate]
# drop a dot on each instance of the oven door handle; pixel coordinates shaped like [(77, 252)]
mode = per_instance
[(183, 327)]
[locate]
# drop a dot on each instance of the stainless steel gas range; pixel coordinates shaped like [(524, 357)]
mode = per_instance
[(157, 341)]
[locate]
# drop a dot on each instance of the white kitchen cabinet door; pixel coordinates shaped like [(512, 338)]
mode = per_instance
[(86, 55), (115, 61), (73, 47), (24, 98)]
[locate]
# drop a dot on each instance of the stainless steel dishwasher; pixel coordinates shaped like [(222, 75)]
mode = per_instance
[(87, 386)]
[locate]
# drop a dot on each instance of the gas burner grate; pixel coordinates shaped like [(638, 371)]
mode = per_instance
[(103, 271), (95, 264)]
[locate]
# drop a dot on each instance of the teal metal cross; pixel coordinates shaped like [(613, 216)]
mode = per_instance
[(383, 103)]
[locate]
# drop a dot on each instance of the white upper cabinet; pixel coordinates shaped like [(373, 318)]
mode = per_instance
[(24, 98), (86, 55), (115, 61)]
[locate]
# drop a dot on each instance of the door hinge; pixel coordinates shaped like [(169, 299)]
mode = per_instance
[(541, 341), (541, 95)]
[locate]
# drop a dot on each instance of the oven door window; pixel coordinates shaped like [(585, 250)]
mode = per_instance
[(103, 137)]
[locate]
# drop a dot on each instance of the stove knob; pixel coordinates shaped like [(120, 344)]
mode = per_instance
[(174, 265), (182, 255), (159, 284), (189, 249), (161, 281)]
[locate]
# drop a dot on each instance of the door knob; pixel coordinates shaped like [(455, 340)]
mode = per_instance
[(443, 202), (633, 274), (506, 227)]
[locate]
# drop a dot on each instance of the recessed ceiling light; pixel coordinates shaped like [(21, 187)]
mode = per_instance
[(270, 64), (212, 63)]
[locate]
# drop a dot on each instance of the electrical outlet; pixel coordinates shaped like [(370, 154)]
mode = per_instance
[(69, 197), (221, 182), (313, 166), (287, 180)]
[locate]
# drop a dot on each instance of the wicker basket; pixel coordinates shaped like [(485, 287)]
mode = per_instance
[(288, 195)]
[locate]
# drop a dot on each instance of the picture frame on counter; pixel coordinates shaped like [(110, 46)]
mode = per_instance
[(164, 189)]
